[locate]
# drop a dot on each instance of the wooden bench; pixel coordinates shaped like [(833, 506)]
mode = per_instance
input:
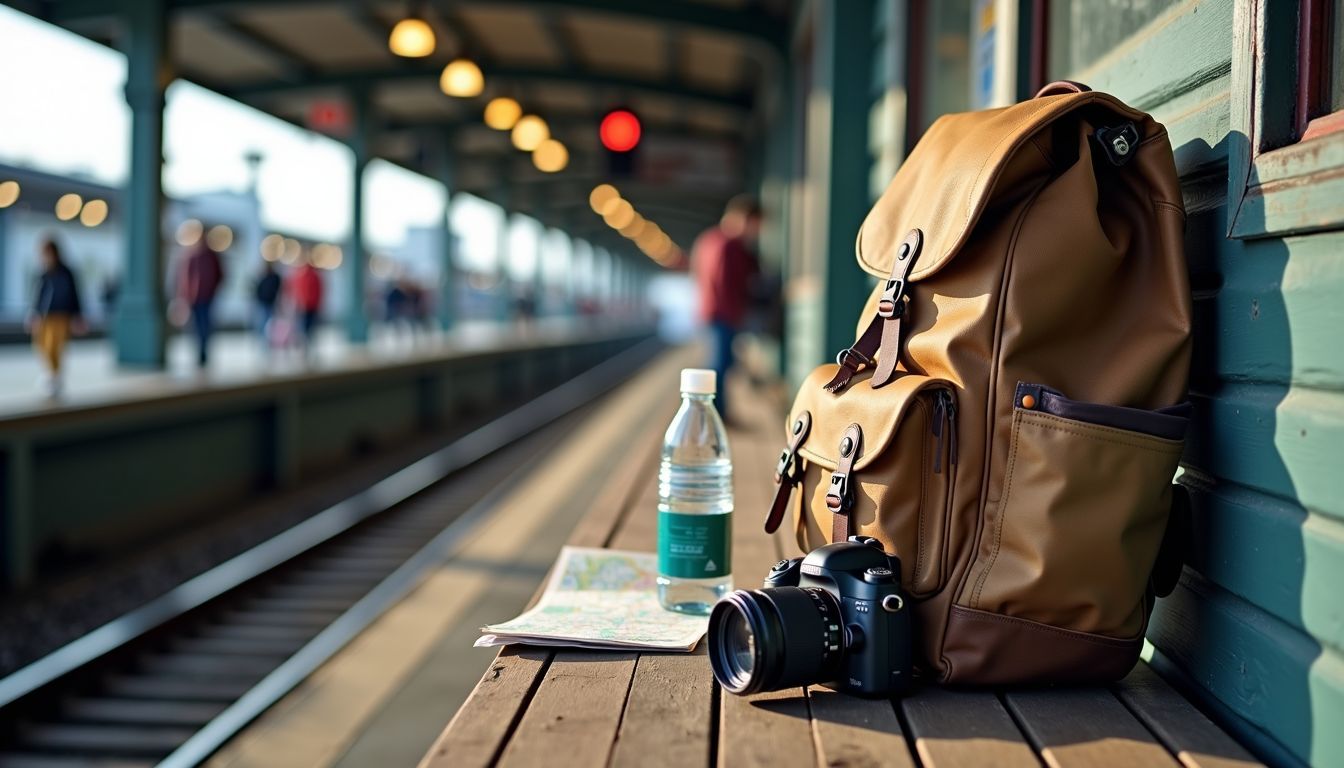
[(537, 707)]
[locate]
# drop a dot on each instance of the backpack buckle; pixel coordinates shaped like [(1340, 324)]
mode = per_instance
[(853, 359), (891, 304), (838, 498)]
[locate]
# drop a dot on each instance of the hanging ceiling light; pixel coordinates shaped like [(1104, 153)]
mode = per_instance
[(68, 206), (602, 196), (550, 157), (93, 213), (9, 193), (502, 113), (529, 132), (412, 37), (462, 78)]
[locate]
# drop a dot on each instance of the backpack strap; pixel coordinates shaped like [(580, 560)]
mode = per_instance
[(788, 471), (883, 333), (840, 495)]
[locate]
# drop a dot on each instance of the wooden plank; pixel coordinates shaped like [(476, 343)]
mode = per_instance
[(1272, 679), (477, 734), (768, 729), (573, 718), (857, 732), (1184, 730), (478, 731), (1085, 728), (964, 729), (758, 730), (668, 717)]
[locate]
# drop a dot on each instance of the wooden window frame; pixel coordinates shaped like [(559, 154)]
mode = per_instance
[(1285, 168), (1315, 27)]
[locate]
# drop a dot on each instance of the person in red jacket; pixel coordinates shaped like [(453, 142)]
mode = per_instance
[(723, 261), (198, 281), (305, 290)]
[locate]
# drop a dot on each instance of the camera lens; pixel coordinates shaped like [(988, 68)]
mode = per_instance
[(767, 639)]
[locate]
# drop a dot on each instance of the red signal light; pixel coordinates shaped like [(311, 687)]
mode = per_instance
[(620, 130)]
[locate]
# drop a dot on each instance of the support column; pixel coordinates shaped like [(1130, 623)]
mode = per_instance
[(842, 74), (539, 268), (504, 292), (356, 319), (447, 308), (140, 329)]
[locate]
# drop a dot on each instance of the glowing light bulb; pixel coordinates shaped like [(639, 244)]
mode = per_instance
[(219, 238), (9, 193), (502, 113), (529, 132), (412, 38), (550, 157), (68, 206), (189, 233), (601, 196), (272, 247), (94, 213), (462, 78), (622, 214)]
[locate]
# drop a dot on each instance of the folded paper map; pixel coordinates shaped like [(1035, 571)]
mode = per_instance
[(602, 599)]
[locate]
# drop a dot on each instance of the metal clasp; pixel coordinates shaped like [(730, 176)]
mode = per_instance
[(837, 496), (890, 305), (842, 358)]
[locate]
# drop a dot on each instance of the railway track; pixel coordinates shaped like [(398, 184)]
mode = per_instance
[(172, 681)]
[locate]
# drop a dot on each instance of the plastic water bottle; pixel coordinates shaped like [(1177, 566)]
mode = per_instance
[(695, 502)]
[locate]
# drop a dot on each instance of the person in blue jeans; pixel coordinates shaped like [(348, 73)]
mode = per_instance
[(266, 293), (198, 281), (724, 263)]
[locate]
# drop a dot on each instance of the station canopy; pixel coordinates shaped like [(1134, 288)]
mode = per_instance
[(694, 72)]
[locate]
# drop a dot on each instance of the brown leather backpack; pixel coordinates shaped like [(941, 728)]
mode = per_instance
[(1010, 418)]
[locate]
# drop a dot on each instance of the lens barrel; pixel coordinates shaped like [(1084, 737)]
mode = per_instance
[(781, 637)]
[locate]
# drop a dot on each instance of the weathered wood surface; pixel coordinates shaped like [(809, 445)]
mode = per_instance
[(573, 708), (1084, 728), (1181, 728), (962, 729)]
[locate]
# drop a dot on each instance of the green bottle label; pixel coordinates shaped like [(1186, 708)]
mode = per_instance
[(694, 546)]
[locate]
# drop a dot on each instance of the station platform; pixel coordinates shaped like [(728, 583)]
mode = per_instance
[(91, 375), (385, 698)]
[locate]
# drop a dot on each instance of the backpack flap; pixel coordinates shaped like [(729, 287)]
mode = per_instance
[(951, 175), (879, 465)]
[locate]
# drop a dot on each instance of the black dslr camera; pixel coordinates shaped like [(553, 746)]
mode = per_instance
[(836, 617)]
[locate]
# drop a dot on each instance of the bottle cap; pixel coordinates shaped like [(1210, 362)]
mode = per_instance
[(698, 381)]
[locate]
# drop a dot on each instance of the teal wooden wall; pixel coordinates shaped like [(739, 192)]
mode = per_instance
[(1255, 630), (1256, 627)]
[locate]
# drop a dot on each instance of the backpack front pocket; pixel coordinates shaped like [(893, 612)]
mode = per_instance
[(897, 486), (1086, 493)]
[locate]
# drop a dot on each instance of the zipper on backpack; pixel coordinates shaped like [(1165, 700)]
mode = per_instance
[(944, 427)]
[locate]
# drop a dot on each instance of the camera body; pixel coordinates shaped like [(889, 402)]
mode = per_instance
[(873, 630)]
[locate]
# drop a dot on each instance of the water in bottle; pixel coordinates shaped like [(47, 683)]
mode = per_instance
[(695, 502)]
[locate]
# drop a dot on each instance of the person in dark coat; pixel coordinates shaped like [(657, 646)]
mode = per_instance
[(197, 283), (266, 293), (55, 315)]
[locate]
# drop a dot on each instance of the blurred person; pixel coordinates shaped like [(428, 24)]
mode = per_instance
[(198, 282), (305, 290), (56, 313), (396, 302), (267, 294), (724, 263)]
